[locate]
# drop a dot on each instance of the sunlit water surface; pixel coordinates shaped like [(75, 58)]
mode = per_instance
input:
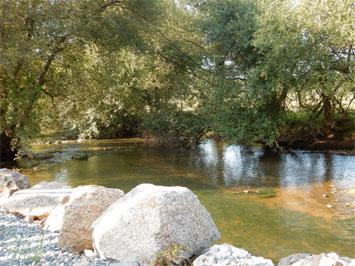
[(270, 205)]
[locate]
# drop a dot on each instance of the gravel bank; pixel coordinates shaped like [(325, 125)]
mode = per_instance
[(20, 244)]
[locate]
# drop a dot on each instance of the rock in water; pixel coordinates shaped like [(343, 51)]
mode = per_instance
[(38, 202), (149, 219), (86, 204), (10, 182), (224, 255), (329, 259)]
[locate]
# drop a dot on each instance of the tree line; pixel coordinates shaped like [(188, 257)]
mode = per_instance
[(279, 73)]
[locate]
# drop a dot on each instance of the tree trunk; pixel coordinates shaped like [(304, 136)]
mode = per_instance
[(328, 114), (6, 152)]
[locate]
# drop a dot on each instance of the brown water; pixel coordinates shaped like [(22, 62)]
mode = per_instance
[(270, 205)]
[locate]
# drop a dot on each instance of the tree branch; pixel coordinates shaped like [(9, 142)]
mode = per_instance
[(108, 4), (56, 50)]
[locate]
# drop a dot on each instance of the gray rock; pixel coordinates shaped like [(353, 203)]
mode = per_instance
[(224, 254), (329, 259), (293, 259), (50, 185), (126, 263), (10, 182), (86, 204), (38, 202), (149, 219)]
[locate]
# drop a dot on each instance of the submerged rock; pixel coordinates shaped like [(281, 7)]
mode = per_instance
[(27, 163), (80, 156), (43, 156), (224, 255), (323, 259), (10, 182), (149, 219), (86, 204), (38, 202)]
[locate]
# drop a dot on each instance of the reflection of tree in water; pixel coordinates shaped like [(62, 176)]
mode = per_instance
[(328, 164), (240, 166), (237, 165), (302, 168)]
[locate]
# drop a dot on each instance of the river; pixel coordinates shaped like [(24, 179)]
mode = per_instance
[(271, 205)]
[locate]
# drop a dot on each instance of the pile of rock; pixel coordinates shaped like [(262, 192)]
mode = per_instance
[(132, 228), (10, 182)]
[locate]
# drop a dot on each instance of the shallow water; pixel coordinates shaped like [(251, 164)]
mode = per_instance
[(270, 205)]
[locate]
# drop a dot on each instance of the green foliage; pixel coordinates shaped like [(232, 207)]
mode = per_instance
[(175, 128), (44, 46), (243, 69), (269, 58), (172, 257)]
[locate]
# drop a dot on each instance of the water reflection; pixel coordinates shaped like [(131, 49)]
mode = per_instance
[(241, 166), (231, 165), (301, 169)]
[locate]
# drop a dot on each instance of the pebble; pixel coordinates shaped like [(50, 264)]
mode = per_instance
[(20, 244)]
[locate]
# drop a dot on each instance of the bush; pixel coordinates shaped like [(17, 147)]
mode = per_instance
[(175, 128)]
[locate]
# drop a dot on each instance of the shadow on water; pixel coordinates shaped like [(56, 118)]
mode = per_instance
[(271, 205)]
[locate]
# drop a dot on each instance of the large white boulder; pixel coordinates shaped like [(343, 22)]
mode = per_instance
[(150, 219), (38, 202), (225, 255), (329, 259), (10, 182), (54, 221), (86, 204)]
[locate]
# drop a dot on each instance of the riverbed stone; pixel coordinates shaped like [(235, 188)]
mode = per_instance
[(50, 185), (86, 204), (10, 182), (150, 219), (224, 255), (323, 259), (293, 259), (38, 202)]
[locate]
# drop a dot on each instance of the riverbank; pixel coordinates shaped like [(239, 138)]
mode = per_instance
[(344, 147), (25, 243)]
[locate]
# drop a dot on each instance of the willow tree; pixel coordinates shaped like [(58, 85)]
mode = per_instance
[(138, 89), (271, 60), (309, 58), (40, 41)]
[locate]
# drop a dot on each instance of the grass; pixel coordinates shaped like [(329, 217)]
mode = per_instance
[(33, 254)]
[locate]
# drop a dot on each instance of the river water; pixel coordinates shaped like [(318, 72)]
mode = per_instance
[(270, 205)]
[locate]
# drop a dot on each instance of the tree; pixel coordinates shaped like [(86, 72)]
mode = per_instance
[(309, 55), (131, 89), (264, 55), (41, 39)]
